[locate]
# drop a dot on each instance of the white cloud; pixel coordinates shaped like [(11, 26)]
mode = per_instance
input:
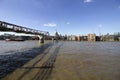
[(50, 25), (87, 1), (68, 23), (100, 25)]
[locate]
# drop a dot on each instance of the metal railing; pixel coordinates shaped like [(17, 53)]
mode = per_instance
[(5, 26)]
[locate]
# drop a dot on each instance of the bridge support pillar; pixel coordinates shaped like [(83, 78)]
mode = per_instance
[(41, 39)]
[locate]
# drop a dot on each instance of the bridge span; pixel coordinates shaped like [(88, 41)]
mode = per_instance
[(5, 26)]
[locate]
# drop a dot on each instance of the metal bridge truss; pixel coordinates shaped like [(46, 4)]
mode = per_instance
[(4, 26)]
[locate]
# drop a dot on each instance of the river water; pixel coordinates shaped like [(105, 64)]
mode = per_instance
[(76, 60), (9, 47), (14, 54), (88, 61)]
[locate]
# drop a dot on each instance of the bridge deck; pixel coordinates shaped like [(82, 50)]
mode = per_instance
[(4, 26)]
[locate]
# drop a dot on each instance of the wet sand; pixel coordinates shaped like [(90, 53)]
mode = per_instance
[(73, 61)]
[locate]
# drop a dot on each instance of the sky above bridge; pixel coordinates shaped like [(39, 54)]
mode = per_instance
[(66, 16)]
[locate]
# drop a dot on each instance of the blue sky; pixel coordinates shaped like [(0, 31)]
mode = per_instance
[(66, 16)]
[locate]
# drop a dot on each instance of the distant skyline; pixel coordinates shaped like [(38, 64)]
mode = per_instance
[(66, 16)]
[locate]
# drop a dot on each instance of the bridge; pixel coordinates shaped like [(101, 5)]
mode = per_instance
[(5, 26)]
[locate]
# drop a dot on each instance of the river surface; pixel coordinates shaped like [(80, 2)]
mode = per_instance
[(77, 60), (88, 61), (8, 47), (14, 54), (11, 46)]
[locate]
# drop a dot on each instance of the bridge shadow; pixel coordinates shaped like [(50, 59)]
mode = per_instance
[(9, 63)]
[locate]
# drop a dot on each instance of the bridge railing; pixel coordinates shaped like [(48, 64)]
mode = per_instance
[(4, 26)]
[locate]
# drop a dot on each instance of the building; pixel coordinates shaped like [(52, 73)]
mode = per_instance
[(78, 38), (108, 37), (91, 37), (84, 38), (119, 38), (98, 38), (116, 36), (72, 38), (56, 35), (111, 38)]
